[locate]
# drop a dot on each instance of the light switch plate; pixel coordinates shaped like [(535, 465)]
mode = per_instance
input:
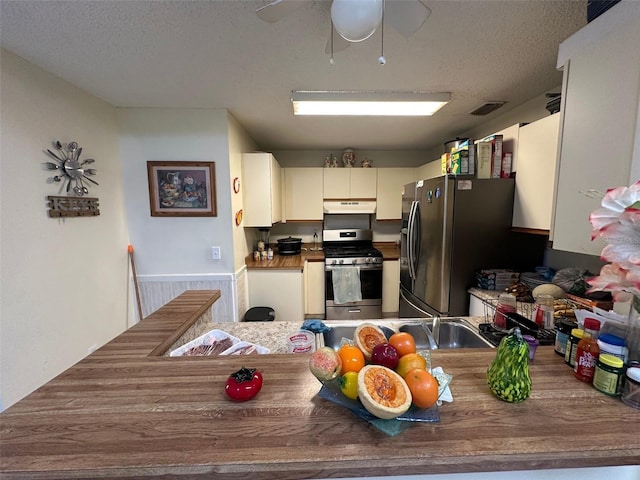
[(215, 253)]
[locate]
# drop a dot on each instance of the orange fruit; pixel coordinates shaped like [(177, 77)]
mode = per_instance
[(410, 361), (403, 342), (382, 392), (352, 358), (423, 387)]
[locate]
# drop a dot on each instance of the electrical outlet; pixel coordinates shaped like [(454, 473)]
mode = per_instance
[(215, 253)]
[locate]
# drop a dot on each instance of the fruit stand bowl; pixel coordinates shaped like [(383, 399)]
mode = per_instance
[(331, 392)]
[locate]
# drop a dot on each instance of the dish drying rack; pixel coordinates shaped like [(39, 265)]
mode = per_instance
[(525, 308)]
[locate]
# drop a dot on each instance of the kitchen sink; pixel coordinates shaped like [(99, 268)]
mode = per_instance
[(339, 330), (450, 333), (453, 333)]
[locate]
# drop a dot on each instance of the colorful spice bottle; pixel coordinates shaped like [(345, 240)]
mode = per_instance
[(563, 332), (609, 374), (572, 346), (588, 351), (613, 345)]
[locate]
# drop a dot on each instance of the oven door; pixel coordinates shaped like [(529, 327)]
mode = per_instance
[(371, 288)]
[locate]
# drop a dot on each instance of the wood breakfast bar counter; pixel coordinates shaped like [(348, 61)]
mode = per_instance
[(126, 411)]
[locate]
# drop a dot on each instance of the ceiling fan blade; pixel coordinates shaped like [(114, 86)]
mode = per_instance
[(339, 43), (406, 16), (278, 9)]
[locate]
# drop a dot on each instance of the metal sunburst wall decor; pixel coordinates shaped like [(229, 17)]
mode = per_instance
[(70, 169)]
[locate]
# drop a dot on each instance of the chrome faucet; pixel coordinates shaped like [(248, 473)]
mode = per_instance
[(434, 333), (435, 329)]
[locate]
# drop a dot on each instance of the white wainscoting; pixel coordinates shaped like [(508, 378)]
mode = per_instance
[(158, 290)]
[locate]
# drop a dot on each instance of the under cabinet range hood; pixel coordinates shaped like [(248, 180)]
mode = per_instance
[(349, 206)]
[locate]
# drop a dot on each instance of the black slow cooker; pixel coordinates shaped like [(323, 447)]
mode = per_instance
[(289, 246)]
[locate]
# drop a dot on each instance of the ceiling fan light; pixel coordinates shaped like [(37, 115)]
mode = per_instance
[(356, 20)]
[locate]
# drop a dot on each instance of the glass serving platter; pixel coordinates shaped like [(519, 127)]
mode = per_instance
[(331, 391)]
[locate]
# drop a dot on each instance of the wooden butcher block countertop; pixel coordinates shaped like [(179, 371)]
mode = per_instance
[(121, 413)]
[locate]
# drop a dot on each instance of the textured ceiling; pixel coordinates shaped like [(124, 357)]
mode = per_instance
[(218, 53)]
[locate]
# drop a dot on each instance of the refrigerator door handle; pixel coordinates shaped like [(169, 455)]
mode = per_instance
[(413, 237), (417, 244)]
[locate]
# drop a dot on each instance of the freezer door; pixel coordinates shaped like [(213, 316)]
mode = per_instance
[(481, 235), (432, 280)]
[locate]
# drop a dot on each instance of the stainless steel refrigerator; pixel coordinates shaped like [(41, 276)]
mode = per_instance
[(451, 228)]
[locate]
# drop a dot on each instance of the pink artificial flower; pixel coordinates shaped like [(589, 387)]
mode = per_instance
[(623, 239), (615, 202), (618, 223), (620, 198), (613, 278)]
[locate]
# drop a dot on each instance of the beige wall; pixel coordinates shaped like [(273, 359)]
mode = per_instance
[(64, 283), (176, 245), (174, 253), (239, 142)]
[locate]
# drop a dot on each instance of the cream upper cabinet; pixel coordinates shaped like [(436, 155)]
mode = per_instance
[(303, 194), (337, 183), (363, 182), (536, 174), (390, 286), (261, 190), (389, 191), (346, 183), (599, 134)]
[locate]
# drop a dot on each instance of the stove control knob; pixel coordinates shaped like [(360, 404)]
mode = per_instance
[(334, 262), (368, 260), (354, 261), (341, 261)]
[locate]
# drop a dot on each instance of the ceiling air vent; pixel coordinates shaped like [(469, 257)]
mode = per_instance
[(487, 108)]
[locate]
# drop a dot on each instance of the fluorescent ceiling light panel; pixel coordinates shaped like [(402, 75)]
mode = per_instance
[(368, 103)]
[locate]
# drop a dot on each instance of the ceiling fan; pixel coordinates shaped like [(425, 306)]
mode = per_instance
[(357, 20)]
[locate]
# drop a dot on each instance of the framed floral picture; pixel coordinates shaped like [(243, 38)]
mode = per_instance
[(182, 189)]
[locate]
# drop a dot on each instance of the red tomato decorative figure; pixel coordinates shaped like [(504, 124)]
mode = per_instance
[(243, 384)]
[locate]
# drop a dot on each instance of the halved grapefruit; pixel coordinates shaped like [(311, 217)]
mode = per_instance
[(383, 392), (367, 336)]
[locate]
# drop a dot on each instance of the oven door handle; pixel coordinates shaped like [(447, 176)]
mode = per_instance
[(361, 266)]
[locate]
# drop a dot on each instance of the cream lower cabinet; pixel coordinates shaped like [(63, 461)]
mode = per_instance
[(389, 191), (346, 183), (478, 308), (281, 290), (600, 132), (314, 289), (390, 287), (303, 194)]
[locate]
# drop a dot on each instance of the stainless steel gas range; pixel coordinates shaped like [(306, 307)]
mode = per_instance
[(353, 275)]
